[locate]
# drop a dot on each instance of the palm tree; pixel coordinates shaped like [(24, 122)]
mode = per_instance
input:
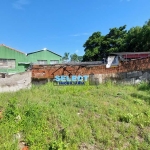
[(65, 57)]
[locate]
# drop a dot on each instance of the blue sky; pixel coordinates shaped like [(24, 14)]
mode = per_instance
[(64, 25)]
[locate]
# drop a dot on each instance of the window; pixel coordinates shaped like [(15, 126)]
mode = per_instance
[(42, 62), (54, 61), (7, 63)]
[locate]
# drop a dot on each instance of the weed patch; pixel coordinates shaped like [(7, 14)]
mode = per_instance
[(47, 117)]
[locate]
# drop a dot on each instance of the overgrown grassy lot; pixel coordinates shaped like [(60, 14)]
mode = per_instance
[(104, 117)]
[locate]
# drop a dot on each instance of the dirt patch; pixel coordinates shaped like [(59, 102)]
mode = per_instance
[(86, 146)]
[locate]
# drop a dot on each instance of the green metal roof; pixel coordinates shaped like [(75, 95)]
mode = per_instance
[(43, 50), (11, 48)]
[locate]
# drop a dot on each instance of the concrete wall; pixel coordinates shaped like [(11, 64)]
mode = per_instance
[(15, 82), (133, 77)]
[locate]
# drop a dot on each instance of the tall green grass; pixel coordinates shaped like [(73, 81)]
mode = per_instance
[(47, 117)]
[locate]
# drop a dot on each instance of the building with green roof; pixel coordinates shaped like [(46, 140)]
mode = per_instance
[(10, 60), (44, 56), (13, 61)]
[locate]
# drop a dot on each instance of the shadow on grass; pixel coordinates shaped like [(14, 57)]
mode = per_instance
[(144, 87), (142, 97)]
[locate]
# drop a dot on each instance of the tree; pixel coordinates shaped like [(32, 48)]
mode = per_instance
[(98, 47), (133, 40), (113, 41), (74, 57), (92, 47), (80, 58), (146, 36), (136, 39), (66, 57)]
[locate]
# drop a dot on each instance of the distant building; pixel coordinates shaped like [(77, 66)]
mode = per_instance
[(44, 57), (131, 55), (114, 58), (9, 60), (13, 61)]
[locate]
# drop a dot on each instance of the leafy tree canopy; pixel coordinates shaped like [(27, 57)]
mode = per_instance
[(136, 39), (92, 47), (74, 57)]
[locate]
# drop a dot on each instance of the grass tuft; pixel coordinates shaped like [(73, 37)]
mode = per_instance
[(48, 117)]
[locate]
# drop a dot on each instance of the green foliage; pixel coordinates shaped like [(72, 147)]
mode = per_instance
[(66, 56), (51, 117), (114, 40), (80, 58), (92, 47), (147, 138), (135, 39), (126, 118), (12, 109), (58, 145), (74, 57)]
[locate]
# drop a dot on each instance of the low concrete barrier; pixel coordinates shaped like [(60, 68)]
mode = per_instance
[(133, 77), (12, 83)]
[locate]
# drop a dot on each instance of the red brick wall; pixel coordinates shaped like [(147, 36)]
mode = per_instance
[(48, 71)]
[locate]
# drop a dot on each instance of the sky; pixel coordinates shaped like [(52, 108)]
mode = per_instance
[(65, 25)]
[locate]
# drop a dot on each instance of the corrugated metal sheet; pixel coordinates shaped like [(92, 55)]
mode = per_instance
[(8, 53), (43, 55), (132, 55)]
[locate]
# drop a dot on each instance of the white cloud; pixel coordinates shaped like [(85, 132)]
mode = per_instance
[(76, 51), (19, 4)]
